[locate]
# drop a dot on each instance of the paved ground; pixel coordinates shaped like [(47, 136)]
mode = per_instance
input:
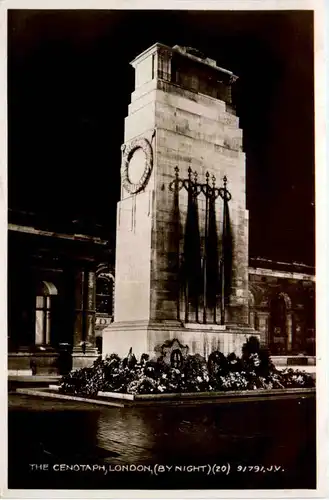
[(264, 434)]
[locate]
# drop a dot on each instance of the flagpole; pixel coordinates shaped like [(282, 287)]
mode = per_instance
[(213, 208), (223, 254), (189, 201), (195, 207), (177, 235), (205, 252)]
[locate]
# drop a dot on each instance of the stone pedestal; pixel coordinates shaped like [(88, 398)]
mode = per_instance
[(148, 337), (82, 358), (181, 116)]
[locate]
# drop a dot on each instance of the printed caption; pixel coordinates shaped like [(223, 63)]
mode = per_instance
[(158, 469)]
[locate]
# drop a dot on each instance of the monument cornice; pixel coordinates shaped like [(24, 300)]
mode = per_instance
[(177, 50)]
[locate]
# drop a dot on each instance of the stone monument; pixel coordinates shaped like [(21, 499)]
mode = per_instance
[(182, 223)]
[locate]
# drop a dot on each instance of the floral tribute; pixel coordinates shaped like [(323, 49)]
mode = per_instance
[(192, 373)]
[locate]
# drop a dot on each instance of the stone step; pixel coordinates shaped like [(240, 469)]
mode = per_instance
[(294, 361), (229, 397)]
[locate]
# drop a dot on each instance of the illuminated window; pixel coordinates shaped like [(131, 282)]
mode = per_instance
[(43, 312)]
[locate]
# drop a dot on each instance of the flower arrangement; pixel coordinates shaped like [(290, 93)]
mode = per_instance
[(254, 370)]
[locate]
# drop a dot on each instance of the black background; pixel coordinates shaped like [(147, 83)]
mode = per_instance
[(69, 86)]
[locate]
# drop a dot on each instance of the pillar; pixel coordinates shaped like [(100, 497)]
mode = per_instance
[(289, 331), (78, 300), (263, 327), (90, 312), (84, 341)]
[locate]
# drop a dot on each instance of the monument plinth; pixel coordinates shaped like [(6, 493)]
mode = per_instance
[(182, 223)]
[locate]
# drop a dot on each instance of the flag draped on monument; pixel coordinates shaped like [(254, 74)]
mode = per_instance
[(213, 283), (192, 254), (226, 257)]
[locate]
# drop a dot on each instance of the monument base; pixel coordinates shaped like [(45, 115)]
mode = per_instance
[(148, 337)]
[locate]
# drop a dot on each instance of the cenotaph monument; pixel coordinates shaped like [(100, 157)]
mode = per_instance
[(182, 223)]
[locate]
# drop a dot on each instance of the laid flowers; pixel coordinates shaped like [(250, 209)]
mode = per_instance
[(254, 370)]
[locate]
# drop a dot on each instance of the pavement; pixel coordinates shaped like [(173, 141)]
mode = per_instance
[(25, 381)]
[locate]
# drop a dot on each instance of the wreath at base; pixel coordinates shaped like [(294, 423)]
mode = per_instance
[(254, 370)]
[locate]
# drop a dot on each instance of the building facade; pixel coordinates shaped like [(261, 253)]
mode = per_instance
[(61, 298), (282, 306), (53, 296)]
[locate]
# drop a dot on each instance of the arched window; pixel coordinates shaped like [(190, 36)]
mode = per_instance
[(45, 291), (104, 293)]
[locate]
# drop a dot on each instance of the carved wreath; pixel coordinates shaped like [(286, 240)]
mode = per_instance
[(126, 157)]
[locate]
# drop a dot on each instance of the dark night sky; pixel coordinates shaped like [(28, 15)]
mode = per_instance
[(69, 85)]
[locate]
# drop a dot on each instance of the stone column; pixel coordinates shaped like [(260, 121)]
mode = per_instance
[(289, 331), (263, 327), (90, 312), (84, 343), (251, 317), (79, 279)]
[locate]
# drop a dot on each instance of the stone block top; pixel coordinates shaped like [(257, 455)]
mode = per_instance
[(188, 52)]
